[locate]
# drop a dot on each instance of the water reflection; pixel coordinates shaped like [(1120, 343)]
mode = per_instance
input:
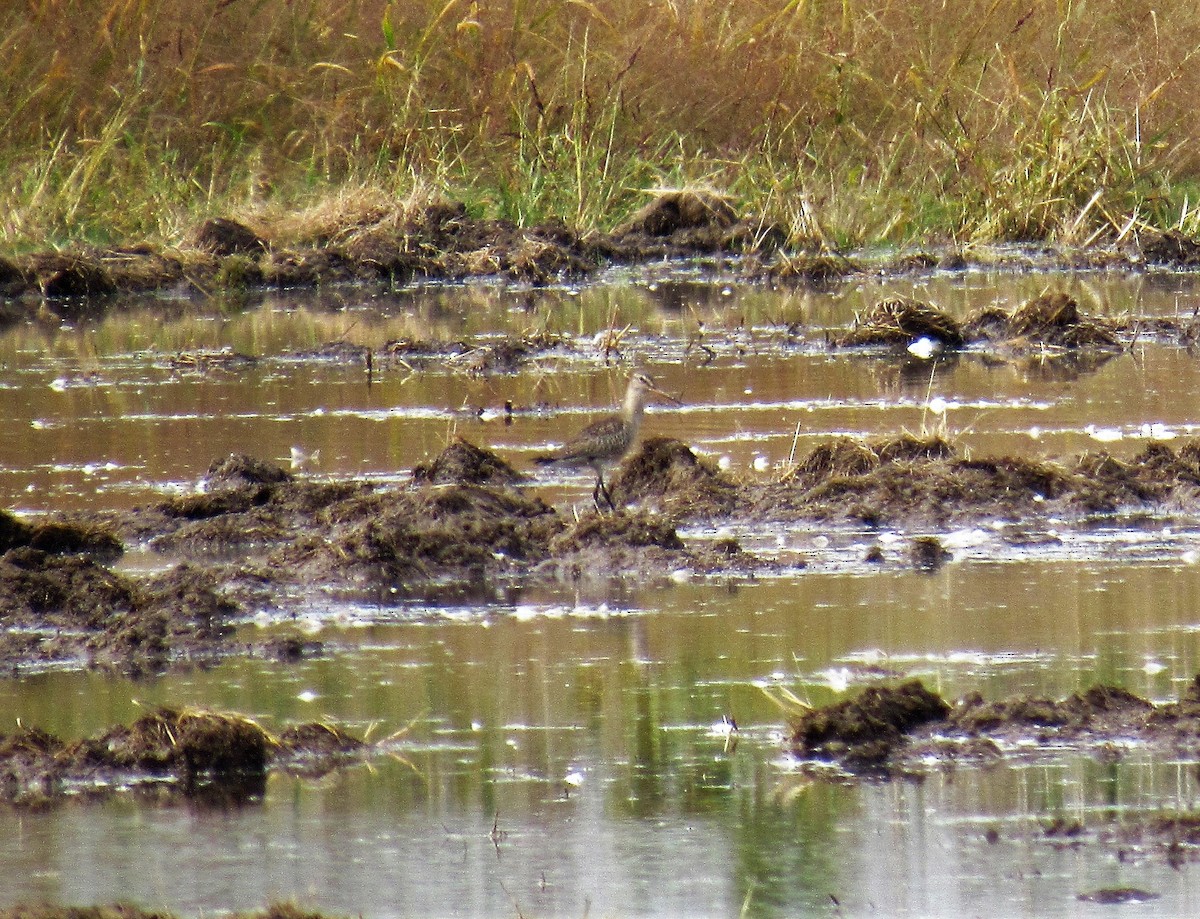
[(566, 756)]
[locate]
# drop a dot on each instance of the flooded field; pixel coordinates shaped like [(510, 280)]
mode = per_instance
[(566, 748)]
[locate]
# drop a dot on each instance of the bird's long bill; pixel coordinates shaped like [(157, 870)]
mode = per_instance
[(665, 395)]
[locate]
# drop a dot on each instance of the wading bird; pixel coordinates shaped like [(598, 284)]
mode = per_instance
[(605, 441)]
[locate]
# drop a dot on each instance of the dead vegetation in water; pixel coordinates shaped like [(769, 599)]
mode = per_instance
[(901, 321), (70, 608), (200, 754), (665, 473), (280, 910), (375, 241), (901, 729), (1050, 321), (467, 520)]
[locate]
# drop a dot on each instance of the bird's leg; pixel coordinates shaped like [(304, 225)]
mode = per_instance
[(601, 489)]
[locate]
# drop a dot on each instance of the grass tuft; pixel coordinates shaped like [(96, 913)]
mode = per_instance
[(848, 124)]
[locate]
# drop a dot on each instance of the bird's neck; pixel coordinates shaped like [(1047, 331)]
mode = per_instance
[(635, 404)]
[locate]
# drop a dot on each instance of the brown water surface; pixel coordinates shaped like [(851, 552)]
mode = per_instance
[(568, 753)]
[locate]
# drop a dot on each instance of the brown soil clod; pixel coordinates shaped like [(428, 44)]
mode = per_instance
[(675, 210), (927, 553), (223, 236), (1052, 320), (906, 729), (73, 277), (1171, 248), (239, 470), (814, 269), (202, 754), (468, 519), (1049, 320), (463, 463), (666, 471), (899, 321), (862, 732)]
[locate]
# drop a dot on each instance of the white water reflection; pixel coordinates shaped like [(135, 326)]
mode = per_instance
[(571, 751)]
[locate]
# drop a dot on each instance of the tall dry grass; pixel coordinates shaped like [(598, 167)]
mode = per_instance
[(852, 122)]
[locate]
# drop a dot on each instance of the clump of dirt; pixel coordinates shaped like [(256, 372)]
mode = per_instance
[(926, 553), (1105, 709), (862, 732), (905, 729), (848, 456), (675, 210), (687, 221), (814, 269), (462, 521), (1050, 320), (680, 484), (71, 276), (239, 470), (69, 608), (463, 463), (222, 236), (899, 321), (1171, 248), (57, 537), (920, 480), (199, 753), (460, 532), (627, 531)]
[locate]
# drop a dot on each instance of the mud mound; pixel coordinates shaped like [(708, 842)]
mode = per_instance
[(1171, 248), (463, 463), (672, 211), (926, 553), (1103, 708), (862, 732), (908, 728), (70, 608), (848, 457), (239, 470), (679, 222), (59, 538), (462, 532), (318, 739), (910, 479), (812, 268), (628, 531), (899, 321), (667, 472), (222, 236), (196, 751), (1049, 320), (71, 276)]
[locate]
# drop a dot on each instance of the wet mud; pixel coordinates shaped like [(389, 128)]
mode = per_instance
[(468, 521), (896, 730), (128, 911), (903, 731), (439, 241), (442, 241), (908, 480), (203, 756), (252, 534)]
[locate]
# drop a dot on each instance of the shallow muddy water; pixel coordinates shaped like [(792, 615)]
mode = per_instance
[(566, 750)]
